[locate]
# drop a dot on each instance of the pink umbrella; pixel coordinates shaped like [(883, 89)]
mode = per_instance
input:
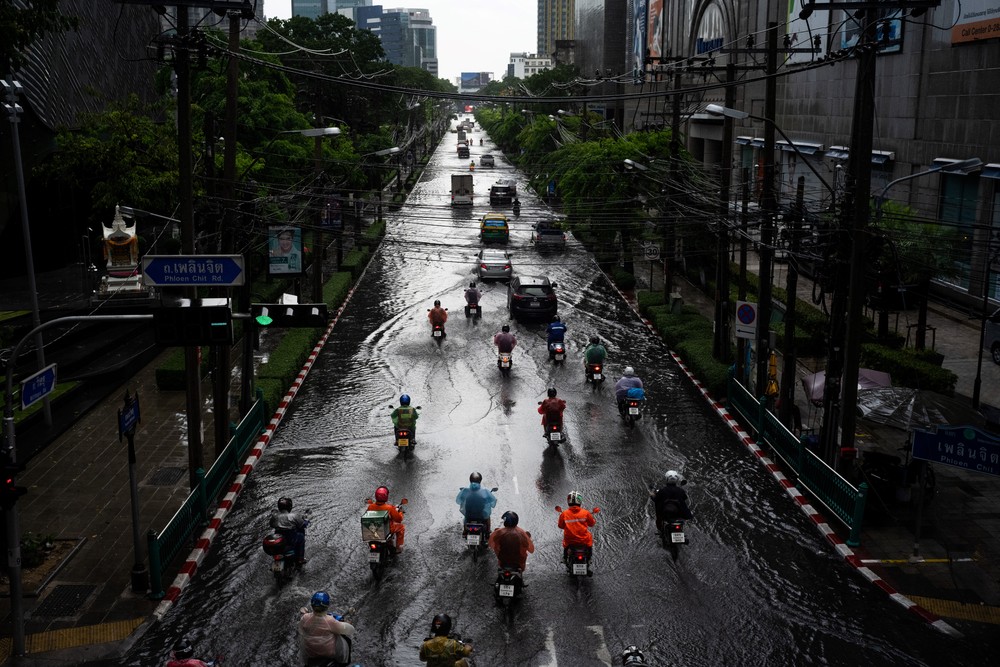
[(814, 384)]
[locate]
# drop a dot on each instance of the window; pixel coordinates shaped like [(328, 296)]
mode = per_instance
[(959, 195)]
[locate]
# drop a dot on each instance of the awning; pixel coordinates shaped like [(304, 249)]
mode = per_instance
[(804, 147), (757, 142), (744, 141), (838, 153), (991, 170), (881, 157)]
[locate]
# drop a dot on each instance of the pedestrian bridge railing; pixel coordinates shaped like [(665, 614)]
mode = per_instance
[(826, 485), (193, 513)]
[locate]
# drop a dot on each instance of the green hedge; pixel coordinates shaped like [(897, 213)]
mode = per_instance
[(689, 334), (170, 374), (374, 233), (355, 261), (624, 279), (908, 369)]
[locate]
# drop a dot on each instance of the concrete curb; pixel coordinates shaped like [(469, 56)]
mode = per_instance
[(848, 554)]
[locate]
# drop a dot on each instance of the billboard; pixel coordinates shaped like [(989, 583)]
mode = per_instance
[(475, 79), (890, 28), (638, 40), (975, 20), (284, 250), (655, 30)]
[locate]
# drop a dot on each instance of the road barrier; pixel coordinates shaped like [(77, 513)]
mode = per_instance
[(824, 483)]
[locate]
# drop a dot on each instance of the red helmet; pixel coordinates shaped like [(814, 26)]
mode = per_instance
[(381, 494)]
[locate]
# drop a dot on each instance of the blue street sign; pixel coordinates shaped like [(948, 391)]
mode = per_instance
[(192, 270), (38, 386), (128, 418), (959, 446)]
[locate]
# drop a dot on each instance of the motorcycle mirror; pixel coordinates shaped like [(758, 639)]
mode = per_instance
[(683, 482), (368, 500), (493, 489), (559, 508), (404, 501), (596, 510)]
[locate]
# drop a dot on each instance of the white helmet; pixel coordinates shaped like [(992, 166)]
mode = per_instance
[(673, 477), (629, 371)]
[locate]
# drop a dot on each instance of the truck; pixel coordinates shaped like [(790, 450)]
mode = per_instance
[(461, 134), (463, 151), (461, 189)]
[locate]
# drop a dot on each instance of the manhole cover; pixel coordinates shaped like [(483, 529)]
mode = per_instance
[(166, 477), (64, 600)]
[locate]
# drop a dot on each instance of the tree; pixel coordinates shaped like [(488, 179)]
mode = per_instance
[(21, 27)]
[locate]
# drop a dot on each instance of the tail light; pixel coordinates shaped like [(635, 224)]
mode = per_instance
[(579, 556), (633, 404), (483, 267), (677, 526), (597, 369), (506, 267), (517, 297), (373, 546)]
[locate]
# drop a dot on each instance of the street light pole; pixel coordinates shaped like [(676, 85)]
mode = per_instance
[(992, 255)]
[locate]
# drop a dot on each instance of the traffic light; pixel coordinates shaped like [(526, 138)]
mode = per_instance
[(9, 490), (290, 315), (190, 325)]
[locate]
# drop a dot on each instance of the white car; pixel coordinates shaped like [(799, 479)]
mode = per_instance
[(486, 160)]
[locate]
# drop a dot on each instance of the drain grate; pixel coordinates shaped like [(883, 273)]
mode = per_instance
[(166, 476), (64, 600)]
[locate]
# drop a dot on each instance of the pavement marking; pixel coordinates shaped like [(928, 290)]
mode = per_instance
[(550, 647), (517, 491), (602, 651), (979, 613), (84, 635), (818, 520)]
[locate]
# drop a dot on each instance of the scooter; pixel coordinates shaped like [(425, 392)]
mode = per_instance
[(554, 433), (557, 351), (343, 651), (631, 409), (595, 373), (504, 360), (577, 558), (381, 541), (517, 209), (404, 437), (472, 310), (673, 536), (281, 549), (508, 586)]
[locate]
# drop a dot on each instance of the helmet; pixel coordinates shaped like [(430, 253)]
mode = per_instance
[(184, 650), (555, 318), (673, 477), (509, 519), (552, 392), (404, 400), (285, 504), (629, 371), (437, 303), (574, 498), (320, 600), (441, 625), (476, 478), (505, 328), (382, 494), (632, 656), (594, 340), (472, 285)]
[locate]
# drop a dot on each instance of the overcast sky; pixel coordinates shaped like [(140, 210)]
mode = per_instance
[(472, 35)]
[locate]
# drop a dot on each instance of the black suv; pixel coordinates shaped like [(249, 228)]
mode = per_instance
[(531, 296)]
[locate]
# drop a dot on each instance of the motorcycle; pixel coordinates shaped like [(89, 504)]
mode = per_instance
[(577, 558), (557, 351), (404, 437), (473, 310), (508, 586), (517, 209), (554, 433), (891, 478), (437, 329), (381, 541), (673, 536), (595, 373), (343, 651), (504, 360), (631, 407), (281, 549)]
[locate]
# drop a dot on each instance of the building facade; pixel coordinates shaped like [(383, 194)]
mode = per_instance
[(310, 9), (556, 20), (523, 65)]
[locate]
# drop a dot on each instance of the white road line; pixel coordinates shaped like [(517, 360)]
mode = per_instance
[(517, 491), (550, 647), (602, 651)]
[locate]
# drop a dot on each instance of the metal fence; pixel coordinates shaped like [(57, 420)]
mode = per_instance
[(825, 484), (164, 546)]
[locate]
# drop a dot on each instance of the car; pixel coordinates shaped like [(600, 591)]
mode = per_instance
[(531, 296), (493, 264), (503, 192), (486, 160), (991, 342), (494, 228), (548, 236)]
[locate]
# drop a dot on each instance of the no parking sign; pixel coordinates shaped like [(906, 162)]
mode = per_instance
[(746, 319)]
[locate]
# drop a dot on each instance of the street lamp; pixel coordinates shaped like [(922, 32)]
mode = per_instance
[(308, 132)]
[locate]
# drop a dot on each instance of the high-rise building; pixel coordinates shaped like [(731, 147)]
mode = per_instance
[(409, 36), (556, 20), (311, 9)]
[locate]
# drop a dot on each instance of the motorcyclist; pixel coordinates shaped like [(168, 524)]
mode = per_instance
[(405, 416), (472, 166), (552, 408), (670, 500), (183, 656), (321, 636), (511, 544), (517, 207), (472, 295), (292, 526), (629, 380), (480, 141), (556, 330), (382, 504), (437, 314), (505, 340), (594, 353), (633, 657), (575, 522), (440, 650), (475, 502)]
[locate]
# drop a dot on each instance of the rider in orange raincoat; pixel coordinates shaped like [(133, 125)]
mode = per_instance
[(382, 504), (575, 522)]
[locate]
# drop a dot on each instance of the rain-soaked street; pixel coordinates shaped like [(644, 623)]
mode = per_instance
[(756, 585)]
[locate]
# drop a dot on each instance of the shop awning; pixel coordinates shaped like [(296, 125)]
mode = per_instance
[(744, 141), (838, 153), (804, 147), (991, 170), (881, 157)]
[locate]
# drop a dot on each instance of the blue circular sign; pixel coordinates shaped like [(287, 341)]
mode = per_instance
[(746, 314)]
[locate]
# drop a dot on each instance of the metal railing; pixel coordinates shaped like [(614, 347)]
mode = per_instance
[(825, 484)]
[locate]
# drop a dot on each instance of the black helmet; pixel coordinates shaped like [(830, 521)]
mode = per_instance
[(555, 318), (633, 657), (472, 285), (285, 504), (441, 625), (505, 328), (594, 340), (184, 650), (552, 392), (476, 478), (437, 303), (509, 519)]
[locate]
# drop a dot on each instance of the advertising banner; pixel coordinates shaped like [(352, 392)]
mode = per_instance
[(285, 250), (976, 19), (638, 40)]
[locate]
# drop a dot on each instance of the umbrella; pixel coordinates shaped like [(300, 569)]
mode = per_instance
[(814, 384), (907, 408)]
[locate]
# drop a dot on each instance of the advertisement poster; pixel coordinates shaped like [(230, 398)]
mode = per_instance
[(655, 29), (802, 31), (976, 19), (889, 29), (285, 250), (638, 40)]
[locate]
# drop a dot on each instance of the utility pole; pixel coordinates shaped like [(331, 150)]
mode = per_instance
[(320, 250), (675, 159), (787, 389), (769, 206), (741, 345), (720, 341)]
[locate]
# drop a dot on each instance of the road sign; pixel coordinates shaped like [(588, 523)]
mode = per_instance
[(38, 386), (128, 417), (192, 270), (650, 252), (960, 447), (746, 319)]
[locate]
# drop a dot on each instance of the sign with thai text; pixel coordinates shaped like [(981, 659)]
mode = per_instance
[(976, 19), (964, 447)]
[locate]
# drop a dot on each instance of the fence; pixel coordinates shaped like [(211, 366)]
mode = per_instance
[(846, 502), (164, 546)]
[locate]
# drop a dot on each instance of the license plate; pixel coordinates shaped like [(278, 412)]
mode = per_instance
[(534, 304), (598, 376), (473, 309), (276, 566), (505, 364), (580, 568), (473, 540), (555, 436), (559, 356), (374, 556), (437, 333), (403, 442), (677, 538), (506, 590), (633, 411)]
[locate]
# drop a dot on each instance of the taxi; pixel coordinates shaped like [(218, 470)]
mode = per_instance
[(494, 228)]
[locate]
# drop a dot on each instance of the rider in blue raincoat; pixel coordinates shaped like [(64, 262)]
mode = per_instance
[(476, 503)]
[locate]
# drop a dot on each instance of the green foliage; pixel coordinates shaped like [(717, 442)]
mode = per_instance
[(34, 547), (689, 334), (624, 279), (336, 288), (374, 233), (355, 261), (649, 299), (919, 250), (908, 369), (23, 24)]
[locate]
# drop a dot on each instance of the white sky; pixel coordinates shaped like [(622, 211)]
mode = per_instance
[(472, 35)]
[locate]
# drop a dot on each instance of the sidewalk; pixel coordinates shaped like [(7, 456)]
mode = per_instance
[(952, 567)]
